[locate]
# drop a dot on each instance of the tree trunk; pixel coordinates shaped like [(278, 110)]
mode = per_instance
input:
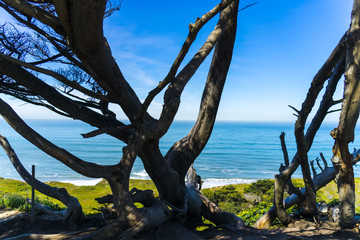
[(344, 134), (332, 68)]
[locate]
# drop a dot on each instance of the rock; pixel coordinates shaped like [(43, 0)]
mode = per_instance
[(323, 208), (336, 214), (252, 198)]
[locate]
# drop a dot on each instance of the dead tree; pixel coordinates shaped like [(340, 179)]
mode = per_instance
[(332, 70), (344, 133), (89, 79), (327, 175), (343, 60)]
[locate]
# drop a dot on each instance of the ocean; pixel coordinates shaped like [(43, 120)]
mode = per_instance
[(237, 152)]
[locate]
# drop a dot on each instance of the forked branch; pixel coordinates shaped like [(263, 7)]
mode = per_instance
[(194, 28)]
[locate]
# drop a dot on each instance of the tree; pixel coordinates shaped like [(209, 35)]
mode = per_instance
[(69, 35), (344, 60), (344, 133)]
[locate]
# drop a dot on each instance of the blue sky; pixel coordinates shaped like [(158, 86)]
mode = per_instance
[(279, 48)]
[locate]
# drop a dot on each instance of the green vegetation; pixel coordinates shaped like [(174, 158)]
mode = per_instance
[(228, 198), (14, 202), (251, 215), (248, 201), (14, 191)]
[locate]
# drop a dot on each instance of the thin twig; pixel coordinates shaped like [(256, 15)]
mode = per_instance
[(247, 6)]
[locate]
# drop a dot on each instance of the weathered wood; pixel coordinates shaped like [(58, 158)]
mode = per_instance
[(345, 132), (33, 194), (333, 69), (322, 180)]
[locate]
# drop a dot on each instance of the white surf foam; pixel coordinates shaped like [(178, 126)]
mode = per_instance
[(217, 182), (91, 182)]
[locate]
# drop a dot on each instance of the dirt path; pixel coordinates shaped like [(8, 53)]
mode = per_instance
[(7, 214)]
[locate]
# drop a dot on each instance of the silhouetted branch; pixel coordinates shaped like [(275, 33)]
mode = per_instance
[(247, 6)]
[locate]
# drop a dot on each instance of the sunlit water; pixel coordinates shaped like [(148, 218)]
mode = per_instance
[(237, 152)]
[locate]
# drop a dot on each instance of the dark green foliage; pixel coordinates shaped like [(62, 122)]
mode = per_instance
[(18, 202), (250, 216), (261, 187), (226, 194), (14, 202), (227, 198)]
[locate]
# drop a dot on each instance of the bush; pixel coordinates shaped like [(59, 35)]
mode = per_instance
[(260, 187), (18, 202), (14, 202), (227, 198), (250, 216), (264, 188), (226, 194)]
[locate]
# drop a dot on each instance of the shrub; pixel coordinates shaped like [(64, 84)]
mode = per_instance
[(18, 202), (14, 202), (250, 216), (260, 187), (264, 188), (226, 194)]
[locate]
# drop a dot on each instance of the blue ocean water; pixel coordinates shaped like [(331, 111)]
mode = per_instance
[(236, 152)]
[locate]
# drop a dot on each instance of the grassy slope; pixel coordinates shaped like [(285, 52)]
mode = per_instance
[(226, 196), (85, 194)]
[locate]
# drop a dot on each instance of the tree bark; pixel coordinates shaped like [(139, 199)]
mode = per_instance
[(184, 152), (344, 134), (333, 68), (80, 40)]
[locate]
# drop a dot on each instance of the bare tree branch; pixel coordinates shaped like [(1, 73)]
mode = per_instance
[(85, 168), (324, 160), (32, 11), (57, 76), (194, 28), (334, 62), (247, 6), (54, 97), (192, 145), (74, 212), (84, 30), (173, 92)]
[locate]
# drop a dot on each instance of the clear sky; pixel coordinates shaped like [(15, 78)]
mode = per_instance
[(280, 46)]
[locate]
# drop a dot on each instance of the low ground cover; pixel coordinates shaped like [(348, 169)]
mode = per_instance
[(249, 201)]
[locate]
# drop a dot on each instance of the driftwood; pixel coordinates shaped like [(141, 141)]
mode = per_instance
[(46, 210), (321, 180)]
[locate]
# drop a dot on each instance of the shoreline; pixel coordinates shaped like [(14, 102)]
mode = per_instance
[(207, 182)]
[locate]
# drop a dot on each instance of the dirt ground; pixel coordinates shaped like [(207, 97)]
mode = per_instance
[(16, 225)]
